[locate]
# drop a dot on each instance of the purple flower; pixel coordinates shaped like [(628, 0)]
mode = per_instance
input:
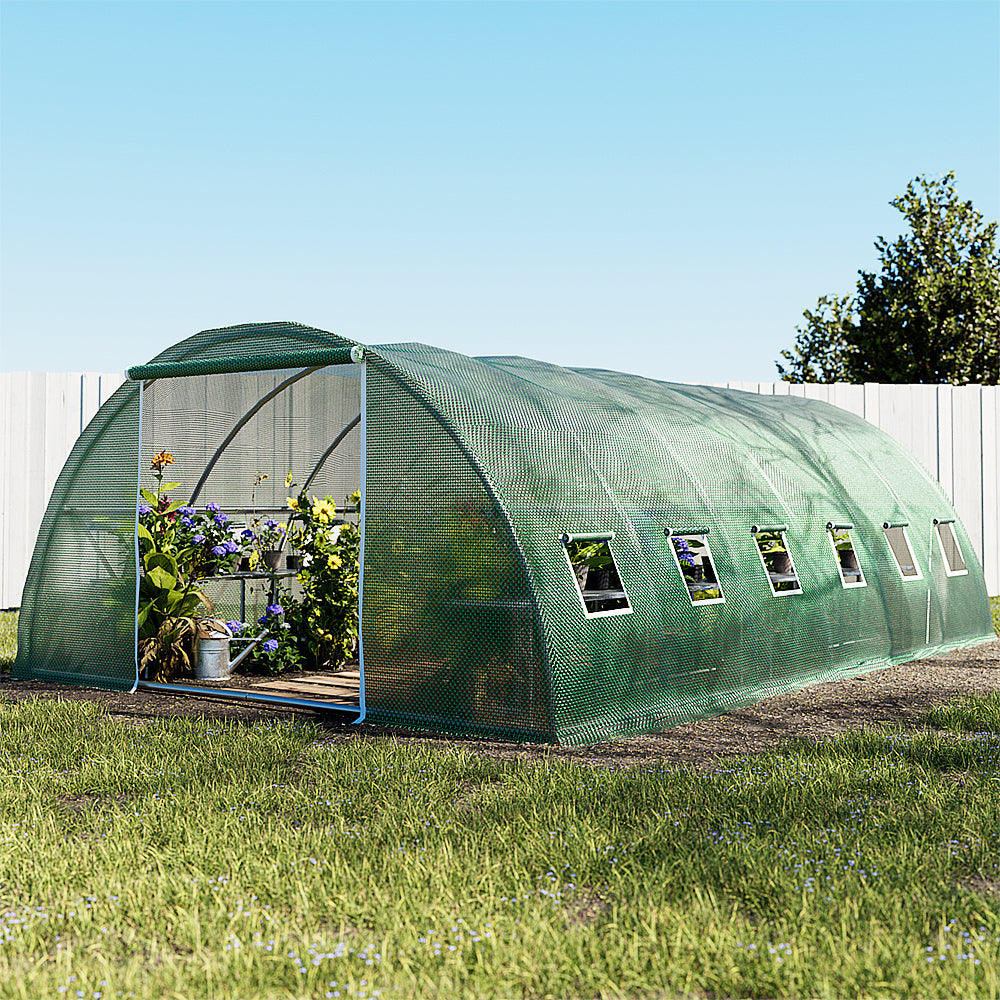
[(235, 627), (219, 550), (684, 552), (270, 524), (275, 609), (187, 511), (231, 547), (212, 506), (247, 534), (198, 539), (270, 645), (144, 508), (220, 519), (187, 522)]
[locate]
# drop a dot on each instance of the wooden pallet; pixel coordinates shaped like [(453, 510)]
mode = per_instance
[(342, 686)]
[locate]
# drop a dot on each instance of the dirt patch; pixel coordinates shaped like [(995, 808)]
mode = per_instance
[(984, 886), (894, 695)]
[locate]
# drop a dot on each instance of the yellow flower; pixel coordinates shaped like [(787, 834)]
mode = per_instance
[(161, 460), (288, 479), (292, 503), (324, 510)]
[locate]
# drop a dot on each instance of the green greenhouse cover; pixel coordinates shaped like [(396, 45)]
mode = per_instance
[(553, 554)]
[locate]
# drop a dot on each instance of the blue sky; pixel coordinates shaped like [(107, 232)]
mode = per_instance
[(658, 187)]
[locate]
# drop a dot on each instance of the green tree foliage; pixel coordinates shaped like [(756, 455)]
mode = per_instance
[(932, 313)]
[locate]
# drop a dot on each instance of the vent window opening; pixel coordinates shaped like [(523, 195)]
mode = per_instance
[(695, 564), (596, 574), (847, 559), (902, 551), (954, 564), (772, 545)]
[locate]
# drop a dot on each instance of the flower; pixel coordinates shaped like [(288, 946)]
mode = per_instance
[(235, 627), (269, 646), (187, 511), (275, 609), (247, 534), (213, 507), (144, 508), (684, 552), (231, 547), (161, 460), (198, 539), (220, 519), (293, 504), (219, 550), (324, 510), (187, 522)]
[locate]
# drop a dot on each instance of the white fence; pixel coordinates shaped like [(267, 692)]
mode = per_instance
[(41, 416), (953, 430)]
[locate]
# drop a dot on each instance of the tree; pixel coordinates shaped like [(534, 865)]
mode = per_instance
[(932, 314)]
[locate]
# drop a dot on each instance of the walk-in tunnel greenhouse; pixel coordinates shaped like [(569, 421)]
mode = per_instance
[(548, 553)]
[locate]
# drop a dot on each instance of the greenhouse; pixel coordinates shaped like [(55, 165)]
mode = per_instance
[(545, 553)]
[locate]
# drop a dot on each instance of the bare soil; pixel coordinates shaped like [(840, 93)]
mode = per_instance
[(895, 695)]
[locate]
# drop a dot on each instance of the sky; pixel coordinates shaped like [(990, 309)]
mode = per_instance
[(658, 188)]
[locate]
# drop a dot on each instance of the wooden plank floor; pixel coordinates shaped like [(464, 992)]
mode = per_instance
[(342, 686)]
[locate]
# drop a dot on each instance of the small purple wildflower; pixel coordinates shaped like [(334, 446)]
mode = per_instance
[(232, 547), (271, 524), (213, 507), (235, 627), (187, 522), (221, 519), (247, 534), (269, 646), (219, 550), (144, 508), (187, 511), (275, 609), (198, 539)]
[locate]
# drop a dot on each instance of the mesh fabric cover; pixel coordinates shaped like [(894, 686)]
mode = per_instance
[(598, 452), (77, 620)]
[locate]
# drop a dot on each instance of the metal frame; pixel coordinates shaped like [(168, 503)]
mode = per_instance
[(228, 694)]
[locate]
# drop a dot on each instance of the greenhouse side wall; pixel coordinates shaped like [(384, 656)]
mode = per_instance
[(451, 639), (77, 621)]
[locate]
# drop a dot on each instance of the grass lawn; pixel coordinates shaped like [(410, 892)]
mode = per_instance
[(194, 859)]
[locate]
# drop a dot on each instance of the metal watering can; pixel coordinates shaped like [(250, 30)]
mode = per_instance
[(212, 661)]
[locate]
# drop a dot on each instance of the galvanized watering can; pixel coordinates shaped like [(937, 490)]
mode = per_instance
[(212, 661)]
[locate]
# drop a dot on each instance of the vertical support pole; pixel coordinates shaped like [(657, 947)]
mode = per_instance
[(135, 539), (361, 518), (930, 578)]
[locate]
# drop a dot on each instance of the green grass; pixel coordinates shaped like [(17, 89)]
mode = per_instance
[(8, 640), (194, 859), (186, 858)]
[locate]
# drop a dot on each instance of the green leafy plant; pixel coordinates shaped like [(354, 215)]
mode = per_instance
[(168, 594), (324, 621), (696, 567), (776, 558)]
